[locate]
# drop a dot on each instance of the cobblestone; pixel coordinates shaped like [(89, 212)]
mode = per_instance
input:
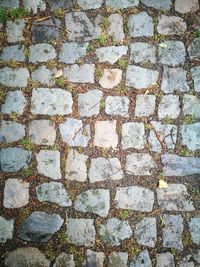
[(194, 227), (165, 258), (6, 229), (118, 259), (142, 259), (64, 258), (94, 258), (71, 52), (44, 76), (191, 136), (13, 52), (143, 52), (110, 78), (169, 107), (195, 75), (14, 102), (80, 74), (115, 28), (15, 30), (11, 131), (171, 25), (133, 135), (191, 105), (117, 106), (140, 25), (111, 54), (145, 105), (14, 77)]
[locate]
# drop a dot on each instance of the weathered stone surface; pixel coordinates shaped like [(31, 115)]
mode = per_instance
[(169, 107), (93, 259), (191, 136), (105, 134), (194, 227), (76, 166), (183, 6), (74, 132), (196, 255), (94, 201), (196, 77), (146, 232), (16, 193), (172, 231), (115, 28), (80, 73), (81, 232), (89, 4), (14, 77), (40, 226), (171, 53), (6, 229), (140, 25), (41, 53), (139, 164), (113, 231), (145, 105), (110, 78), (53, 192), (174, 79), (14, 102), (65, 260), (185, 262), (111, 54), (143, 52), (11, 131), (14, 159), (117, 106), (13, 52), (53, 101), (134, 198), (191, 105), (14, 30), (42, 132), (165, 259), (26, 256), (89, 103), (118, 259), (102, 169), (35, 5), (171, 25), (55, 4), (9, 3), (161, 4), (180, 166), (133, 135), (142, 259), (174, 198), (43, 75), (71, 52), (139, 78), (48, 164), (121, 4), (194, 49)]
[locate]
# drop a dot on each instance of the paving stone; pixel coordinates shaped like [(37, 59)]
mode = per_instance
[(191, 105), (48, 164), (160, 5), (14, 30), (117, 106), (122, 4), (140, 25), (42, 132), (143, 52), (81, 232), (105, 134), (13, 52), (34, 5), (142, 259), (14, 102), (9, 3), (183, 6), (139, 77), (180, 166), (165, 259), (54, 101), (102, 169), (56, 4), (146, 232), (43, 75), (14, 77), (174, 198), (133, 135), (89, 103), (40, 226), (174, 79), (41, 53), (11, 131), (76, 166), (53, 192), (145, 105), (118, 259), (194, 50), (194, 228), (74, 132), (26, 256), (14, 159), (115, 28), (191, 136), (171, 25), (81, 28), (93, 258), (134, 198), (171, 53), (195, 76), (94, 201), (186, 262), (111, 54), (16, 193), (139, 164), (46, 30), (80, 73), (6, 229), (110, 78), (71, 52), (196, 255), (172, 231), (65, 260), (89, 4), (113, 231), (169, 107)]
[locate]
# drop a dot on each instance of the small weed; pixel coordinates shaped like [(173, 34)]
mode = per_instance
[(60, 13), (161, 176), (102, 39), (79, 260), (13, 64), (27, 172), (196, 191), (3, 15), (102, 104), (50, 253), (186, 239), (13, 115), (62, 238), (168, 120), (148, 126), (121, 89), (122, 63), (53, 147), (133, 252), (184, 152), (26, 52), (188, 119), (197, 33), (80, 61), (98, 73), (158, 37), (61, 81), (91, 48), (27, 144), (105, 24), (51, 64), (80, 149), (124, 214), (174, 251), (17, 13)]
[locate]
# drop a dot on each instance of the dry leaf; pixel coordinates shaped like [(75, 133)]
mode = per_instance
[(162, 184)]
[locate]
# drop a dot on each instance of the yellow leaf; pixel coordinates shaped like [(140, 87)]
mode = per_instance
[(163, 45), (162, 184)]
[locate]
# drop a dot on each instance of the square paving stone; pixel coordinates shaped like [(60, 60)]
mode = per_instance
[(142, 259), (110, 78), (93, 258), (42, 132), (14, 77), (118, 259), (56, 4), (191, 136), (196, 78), (111, 54), (184, 6), (133, 135), (35, 5), (105, 134), (160, 5), (171, 25), (80, 73), (9, 4), (165, 259), (145, 105), (115, 28), (142, 52), (13, 52), (89, 4), (41, 53), (191, 105), (6, 229), (14, 30), (117, 106), (194, 228), (140, 25), (169, 106), (11, 131), (14, 102), (194, 49), (43, 75), (122, 4), (71, 52)]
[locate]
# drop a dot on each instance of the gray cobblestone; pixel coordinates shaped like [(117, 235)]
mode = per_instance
[(14, 77), (140, 25), (15, 30)]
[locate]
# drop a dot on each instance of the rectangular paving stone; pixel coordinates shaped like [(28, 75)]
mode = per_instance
[(183, 6), (133, 135), (14, 102), (196, 78), (142, 52), (111, 54), (191, 105), (140, 25), (164, 259), (117, 106), (191, 136), (105, 134), (11, 131), (110, 78), (118, 259), (44, 76), (41, 53), (171, 25), (115, 28), (159, 5), (169, 106), (9, 3), (145, 105), (13, 52), (93, 257), (15, 30), (35, 5), (193, 49), (6, 229), (71, 52), (194, 228), (142, 258), (89, 4), (55, 4), (122, 4), (79, 73), (14, 77)]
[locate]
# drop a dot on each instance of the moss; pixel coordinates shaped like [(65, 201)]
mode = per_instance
[(27, 172), (102, 39), (168, 120), (124, 214), (3, 15), (105, 24), (63, 238), (148, 126), (60, 13), (61, 81), (51, 64), (27, 144), (184, 152), (122, 63), (188, 119), (98, 73), (133, 251)]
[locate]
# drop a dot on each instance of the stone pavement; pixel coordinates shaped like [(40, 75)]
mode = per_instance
[(100, 133)]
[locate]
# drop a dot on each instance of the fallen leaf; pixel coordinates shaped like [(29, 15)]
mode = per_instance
[(162, 184)]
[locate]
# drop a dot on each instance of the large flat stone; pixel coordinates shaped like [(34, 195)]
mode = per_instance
[(111, 54), (171, 25), (71, 52), (15, 30), (41, 53), (122, 4), (133, 135), (184, 6), (14, 102), (14, 77), (194, 228), (6, 229), (11, 131), (140, 25), (105, 134), (160, 5), (80, 73), (169, 106), (191, 105), (142, 259), (13, 52), (145, 105), (143, 52), (117, 106), (196, 77), (146, 232), (191, 136)]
